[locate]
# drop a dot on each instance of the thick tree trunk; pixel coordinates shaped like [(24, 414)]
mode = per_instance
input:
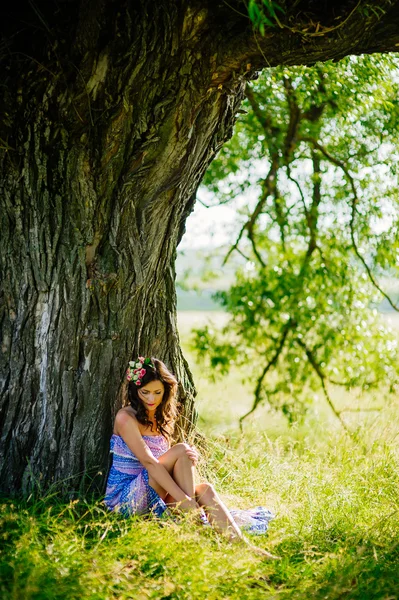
[(96, 186), (111, 113)]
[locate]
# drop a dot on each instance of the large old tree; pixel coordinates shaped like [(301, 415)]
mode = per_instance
[(111, 113)]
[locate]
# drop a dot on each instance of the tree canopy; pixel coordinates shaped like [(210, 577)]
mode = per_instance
[(320, 147)]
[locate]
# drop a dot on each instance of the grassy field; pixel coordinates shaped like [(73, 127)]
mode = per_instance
[(336, 500)]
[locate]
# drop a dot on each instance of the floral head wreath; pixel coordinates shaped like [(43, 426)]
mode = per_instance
[(136, 370)]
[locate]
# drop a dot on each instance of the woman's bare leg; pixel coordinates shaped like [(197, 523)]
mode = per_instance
[(181, 468), (184, 475), (221, 518), (216, 511)]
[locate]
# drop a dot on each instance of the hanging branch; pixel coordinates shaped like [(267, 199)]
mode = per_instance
[(305, 209), (347, 383), (270, 182), (299, 189), (264, 120), (355, 201), (289, 325), (294, 120), (249, 225), (318, 370), (281, 216), (313, 213), (312, 223)]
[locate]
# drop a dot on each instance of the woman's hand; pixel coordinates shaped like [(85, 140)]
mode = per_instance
[(188, 504), (193, 454)]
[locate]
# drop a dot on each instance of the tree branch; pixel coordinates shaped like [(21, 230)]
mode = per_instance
[(294, 119), (267, 368), (316, 36), (355, 200), (318, 370), (268, 184), (263, 119)]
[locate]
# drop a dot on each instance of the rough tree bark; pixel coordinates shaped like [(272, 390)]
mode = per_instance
[(111, 113)]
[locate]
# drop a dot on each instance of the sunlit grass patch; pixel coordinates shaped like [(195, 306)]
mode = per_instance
[(58, 554), (336, 529), (335, 497)]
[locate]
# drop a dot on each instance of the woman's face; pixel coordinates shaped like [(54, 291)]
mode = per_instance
[(151, 394)]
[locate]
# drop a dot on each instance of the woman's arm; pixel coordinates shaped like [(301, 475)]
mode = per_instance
[(129, 430)]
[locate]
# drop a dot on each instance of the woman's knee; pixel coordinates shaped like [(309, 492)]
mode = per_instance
[(181, 449), (205, 488)]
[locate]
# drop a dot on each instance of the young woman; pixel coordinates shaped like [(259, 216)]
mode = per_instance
[(148, 473)]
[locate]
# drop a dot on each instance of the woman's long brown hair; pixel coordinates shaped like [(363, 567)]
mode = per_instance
[(166, 412)]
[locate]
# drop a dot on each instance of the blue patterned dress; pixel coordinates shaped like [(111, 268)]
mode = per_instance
[(128, 490)]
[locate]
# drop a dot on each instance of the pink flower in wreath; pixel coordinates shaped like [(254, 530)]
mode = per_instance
[(138, 382), (142, 372), (141, 359)]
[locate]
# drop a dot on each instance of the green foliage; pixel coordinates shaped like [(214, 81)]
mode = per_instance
[(319, 149), (263, 13)]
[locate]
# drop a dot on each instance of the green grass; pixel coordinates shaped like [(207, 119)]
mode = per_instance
[(336, 500)]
